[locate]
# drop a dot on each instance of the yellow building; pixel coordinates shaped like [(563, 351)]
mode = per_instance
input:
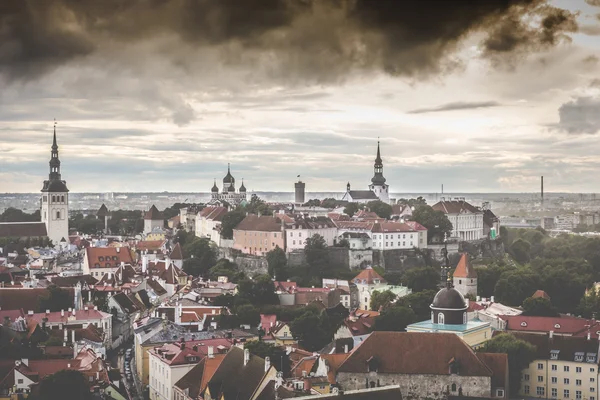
[(283, 335), (565, 367), (449, 315)]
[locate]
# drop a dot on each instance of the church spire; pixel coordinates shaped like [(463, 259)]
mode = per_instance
[(378, 178), (378, 160), (54, 160)]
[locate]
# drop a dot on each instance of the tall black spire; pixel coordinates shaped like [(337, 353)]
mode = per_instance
[(54, 160), (378, 178), (54, 182)]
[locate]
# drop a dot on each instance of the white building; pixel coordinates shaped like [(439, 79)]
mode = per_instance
[(378, 190), (388, 235), (466, 219), (304, 228), (208, 223), (55, 200), (228, 193)]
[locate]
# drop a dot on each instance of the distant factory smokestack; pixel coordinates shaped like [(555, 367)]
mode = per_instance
[(542, 190)]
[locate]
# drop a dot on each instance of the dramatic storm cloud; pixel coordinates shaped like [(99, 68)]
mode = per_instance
[(481, 95), (309, 39)]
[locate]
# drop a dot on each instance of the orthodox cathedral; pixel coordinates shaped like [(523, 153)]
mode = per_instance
[(228, 193), (378, 190)]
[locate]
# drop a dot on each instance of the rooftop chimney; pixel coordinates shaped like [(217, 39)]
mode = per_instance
[(72, 335), (267, 363), (492, 299), (346, 348), (211, 352), (246, 356), (47, 311), (118, 249), (551, 334), (30, 312)]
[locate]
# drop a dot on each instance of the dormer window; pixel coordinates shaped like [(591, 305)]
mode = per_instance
[(523, 323), (579, 356), (557, 326), (590, 357), (554, 354), (114, 258), (100, 258)]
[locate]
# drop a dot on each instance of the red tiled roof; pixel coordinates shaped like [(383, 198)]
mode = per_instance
[(153, 214), (304, 366), (152, 245), (384, 227), (264, 223), (334, 361), (177, 356), (415, 225), (542, 294), (177, 253), (368, 276), (498, 363), (455, 207), (213, 213), (107, 257), (338, 217), (268, 321), (570, 326), (464, 268), (424, 354), (25, 299), (360, 326), (81, 315), (285, 286)]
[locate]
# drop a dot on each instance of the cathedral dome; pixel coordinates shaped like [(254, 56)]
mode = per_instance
[(215, 189), (231, 188), (242, 188), (449, 298), (229, 178)]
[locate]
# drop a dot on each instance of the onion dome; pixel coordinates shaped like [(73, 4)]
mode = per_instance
[(229, 178), (231, 188), (242, 188), (215, 189)]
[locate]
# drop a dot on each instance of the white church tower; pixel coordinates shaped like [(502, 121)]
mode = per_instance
[(55, 200), (378, 185)]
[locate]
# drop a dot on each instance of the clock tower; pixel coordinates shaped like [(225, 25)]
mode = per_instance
[(55, 200), (378, 185)]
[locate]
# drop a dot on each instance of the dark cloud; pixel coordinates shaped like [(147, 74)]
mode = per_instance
[(579, 116), (305, 39), (593, 2), (460, 105), (592, 30)]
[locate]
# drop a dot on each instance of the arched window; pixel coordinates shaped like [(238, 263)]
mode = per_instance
[(53, 199), (460, 281), (62, 199), (454, 387), (440, 318)]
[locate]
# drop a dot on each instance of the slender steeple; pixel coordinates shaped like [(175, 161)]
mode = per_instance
[(54, 160), (378, 178)]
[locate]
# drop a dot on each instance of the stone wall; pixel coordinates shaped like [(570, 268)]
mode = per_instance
[(398, 260), (296, 258), (249, 264), (419, 386), (337, 256)]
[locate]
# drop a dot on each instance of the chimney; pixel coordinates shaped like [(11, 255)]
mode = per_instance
[(267, 363), (66, 336), (492, 299), (246, 356), (182, 345), (589, 335), (144, 264), (30, 312), (95, 308), (211, 352), (551, 334), (72, 335), (73, 312), (122, 263), (47, 311), (118, 249), (85, 308), (346, 348)]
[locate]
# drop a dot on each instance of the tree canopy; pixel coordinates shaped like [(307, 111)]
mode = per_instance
[(382, 299), (520, 354), (56, 299), (312, 329), (65, 384), (539, 307), (315, 251), (258, 291), (203, 256), (277, 263), (12, 214), (383, 210), (230, 221), (395, 318), (423, 278), (436, 222)]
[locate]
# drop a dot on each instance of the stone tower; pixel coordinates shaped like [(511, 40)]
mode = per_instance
[(55, 200), (465, 277)]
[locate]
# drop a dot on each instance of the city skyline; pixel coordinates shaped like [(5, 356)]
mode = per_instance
[(154, 111)]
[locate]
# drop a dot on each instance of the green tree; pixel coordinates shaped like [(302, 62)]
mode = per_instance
[(352, 208), (436, 222), (418, 302), (331, 203), (224, 300), (520, 355), (514, 287), (383, 210), (394, 319), (257, 206), (12, 214), (224, 267), (248, 314), (277, 263), (230, 221), (539, 307), (419, 279), (56, 299), (203, 256), (312, 203), (419, 201), (312, 330), (315, 251), (65, 385), (382, 299), (258, 291), (277, 355), (519, 249)]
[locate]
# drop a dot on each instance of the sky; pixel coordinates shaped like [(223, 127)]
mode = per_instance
[(162, 95)]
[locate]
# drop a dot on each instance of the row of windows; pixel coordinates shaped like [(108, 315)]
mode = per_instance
[(391, 244), (392, 236), (246, 233), (566, 368), (540, 391), (555, 379), (54, 198)]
